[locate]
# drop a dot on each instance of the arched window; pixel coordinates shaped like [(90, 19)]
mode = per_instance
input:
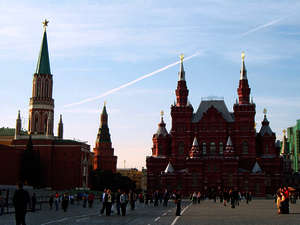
[(181, 148), (45, 123), (38, 87), (267, 149), (212, 148), (46, 88), (204, 148), (221, 148), (245, 147), (36, 123)]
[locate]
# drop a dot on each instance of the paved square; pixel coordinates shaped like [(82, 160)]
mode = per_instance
[(258, 212)]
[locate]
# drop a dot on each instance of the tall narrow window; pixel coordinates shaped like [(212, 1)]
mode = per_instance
[(267, 149), (181, 148), (45, 124), (46, 88), (212, 148), (38, 88), (221, 148), (204, 148), (36, 123), (245, 147)]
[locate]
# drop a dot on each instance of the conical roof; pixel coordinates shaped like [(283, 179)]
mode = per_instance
[(169, 168), (229, 142), (243, 68), (256, 168), (265, 128), (43, 65), (181, 73), (195, 142)]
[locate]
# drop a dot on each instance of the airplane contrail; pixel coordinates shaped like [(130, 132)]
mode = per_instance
[(164, 68), (262, 26), (131, 82)]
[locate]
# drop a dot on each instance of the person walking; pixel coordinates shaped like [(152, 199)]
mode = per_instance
[(2, 204), (108, 202), (20, 201), (178, 203), (118, 203), (123, 202), (51, 200), (132, 199), (33, 202), (156, 198), (199, 197), (91, 198), (65, 202), (103, 201), (166, 198), (56, 201)]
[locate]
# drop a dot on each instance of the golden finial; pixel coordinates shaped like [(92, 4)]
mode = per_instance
[(284, 132), (181, 57), (243, 55), (162, 113), (265, 111), (45, 23), (104, 103), (255, 125)]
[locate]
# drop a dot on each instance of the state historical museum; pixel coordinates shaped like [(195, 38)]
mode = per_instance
[(212, 148)]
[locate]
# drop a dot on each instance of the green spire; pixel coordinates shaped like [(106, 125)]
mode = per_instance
[(43, 65)]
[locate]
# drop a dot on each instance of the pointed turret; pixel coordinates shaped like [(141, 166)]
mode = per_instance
[(103, 133), (229, 150), (18, 125), (60, 129), (243, 71), (195, 142), (265, 128), (195, 152), (243, 90), (162, 126), (181, 91), (181, 73), (169, 168), (43, 65)]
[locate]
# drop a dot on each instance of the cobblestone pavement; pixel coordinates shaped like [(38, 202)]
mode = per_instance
[(258, 212)]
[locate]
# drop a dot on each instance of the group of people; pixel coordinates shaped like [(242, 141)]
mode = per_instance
[(226, 196)]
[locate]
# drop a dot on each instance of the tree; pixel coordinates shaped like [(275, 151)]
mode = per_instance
[(30, 165), (101, 179)]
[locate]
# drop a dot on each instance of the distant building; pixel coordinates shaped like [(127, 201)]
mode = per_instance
[(294, 145), (64, 163), (135, 175), (104, 157), (212, 148)]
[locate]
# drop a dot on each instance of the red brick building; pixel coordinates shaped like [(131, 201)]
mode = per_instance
[(64, 163), (104, 158), (212, 148)]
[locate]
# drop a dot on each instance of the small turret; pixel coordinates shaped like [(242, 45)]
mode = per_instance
[(49, 125), (195, 152), (60, 129), (18, 125), (229, 150)]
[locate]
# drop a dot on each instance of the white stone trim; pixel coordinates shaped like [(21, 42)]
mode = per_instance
[(41, 106)]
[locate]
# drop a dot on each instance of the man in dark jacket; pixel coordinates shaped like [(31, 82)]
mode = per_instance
[(20, 200)]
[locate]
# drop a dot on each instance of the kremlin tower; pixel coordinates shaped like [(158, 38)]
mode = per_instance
[(104, 158)]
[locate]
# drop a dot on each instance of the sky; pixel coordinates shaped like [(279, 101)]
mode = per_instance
[(97, 46)]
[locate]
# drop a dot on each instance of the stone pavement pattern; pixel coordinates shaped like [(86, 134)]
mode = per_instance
[(258, 212)]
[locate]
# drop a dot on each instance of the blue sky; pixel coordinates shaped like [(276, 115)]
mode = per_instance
[(95, 46)]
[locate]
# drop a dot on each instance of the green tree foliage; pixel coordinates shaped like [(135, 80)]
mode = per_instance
[(101, 179), (30, 166)]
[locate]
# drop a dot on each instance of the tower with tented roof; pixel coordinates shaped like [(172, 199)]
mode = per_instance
[(104, 158)]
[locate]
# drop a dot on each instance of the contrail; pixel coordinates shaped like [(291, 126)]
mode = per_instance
[(262, 26), (131, 82)]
